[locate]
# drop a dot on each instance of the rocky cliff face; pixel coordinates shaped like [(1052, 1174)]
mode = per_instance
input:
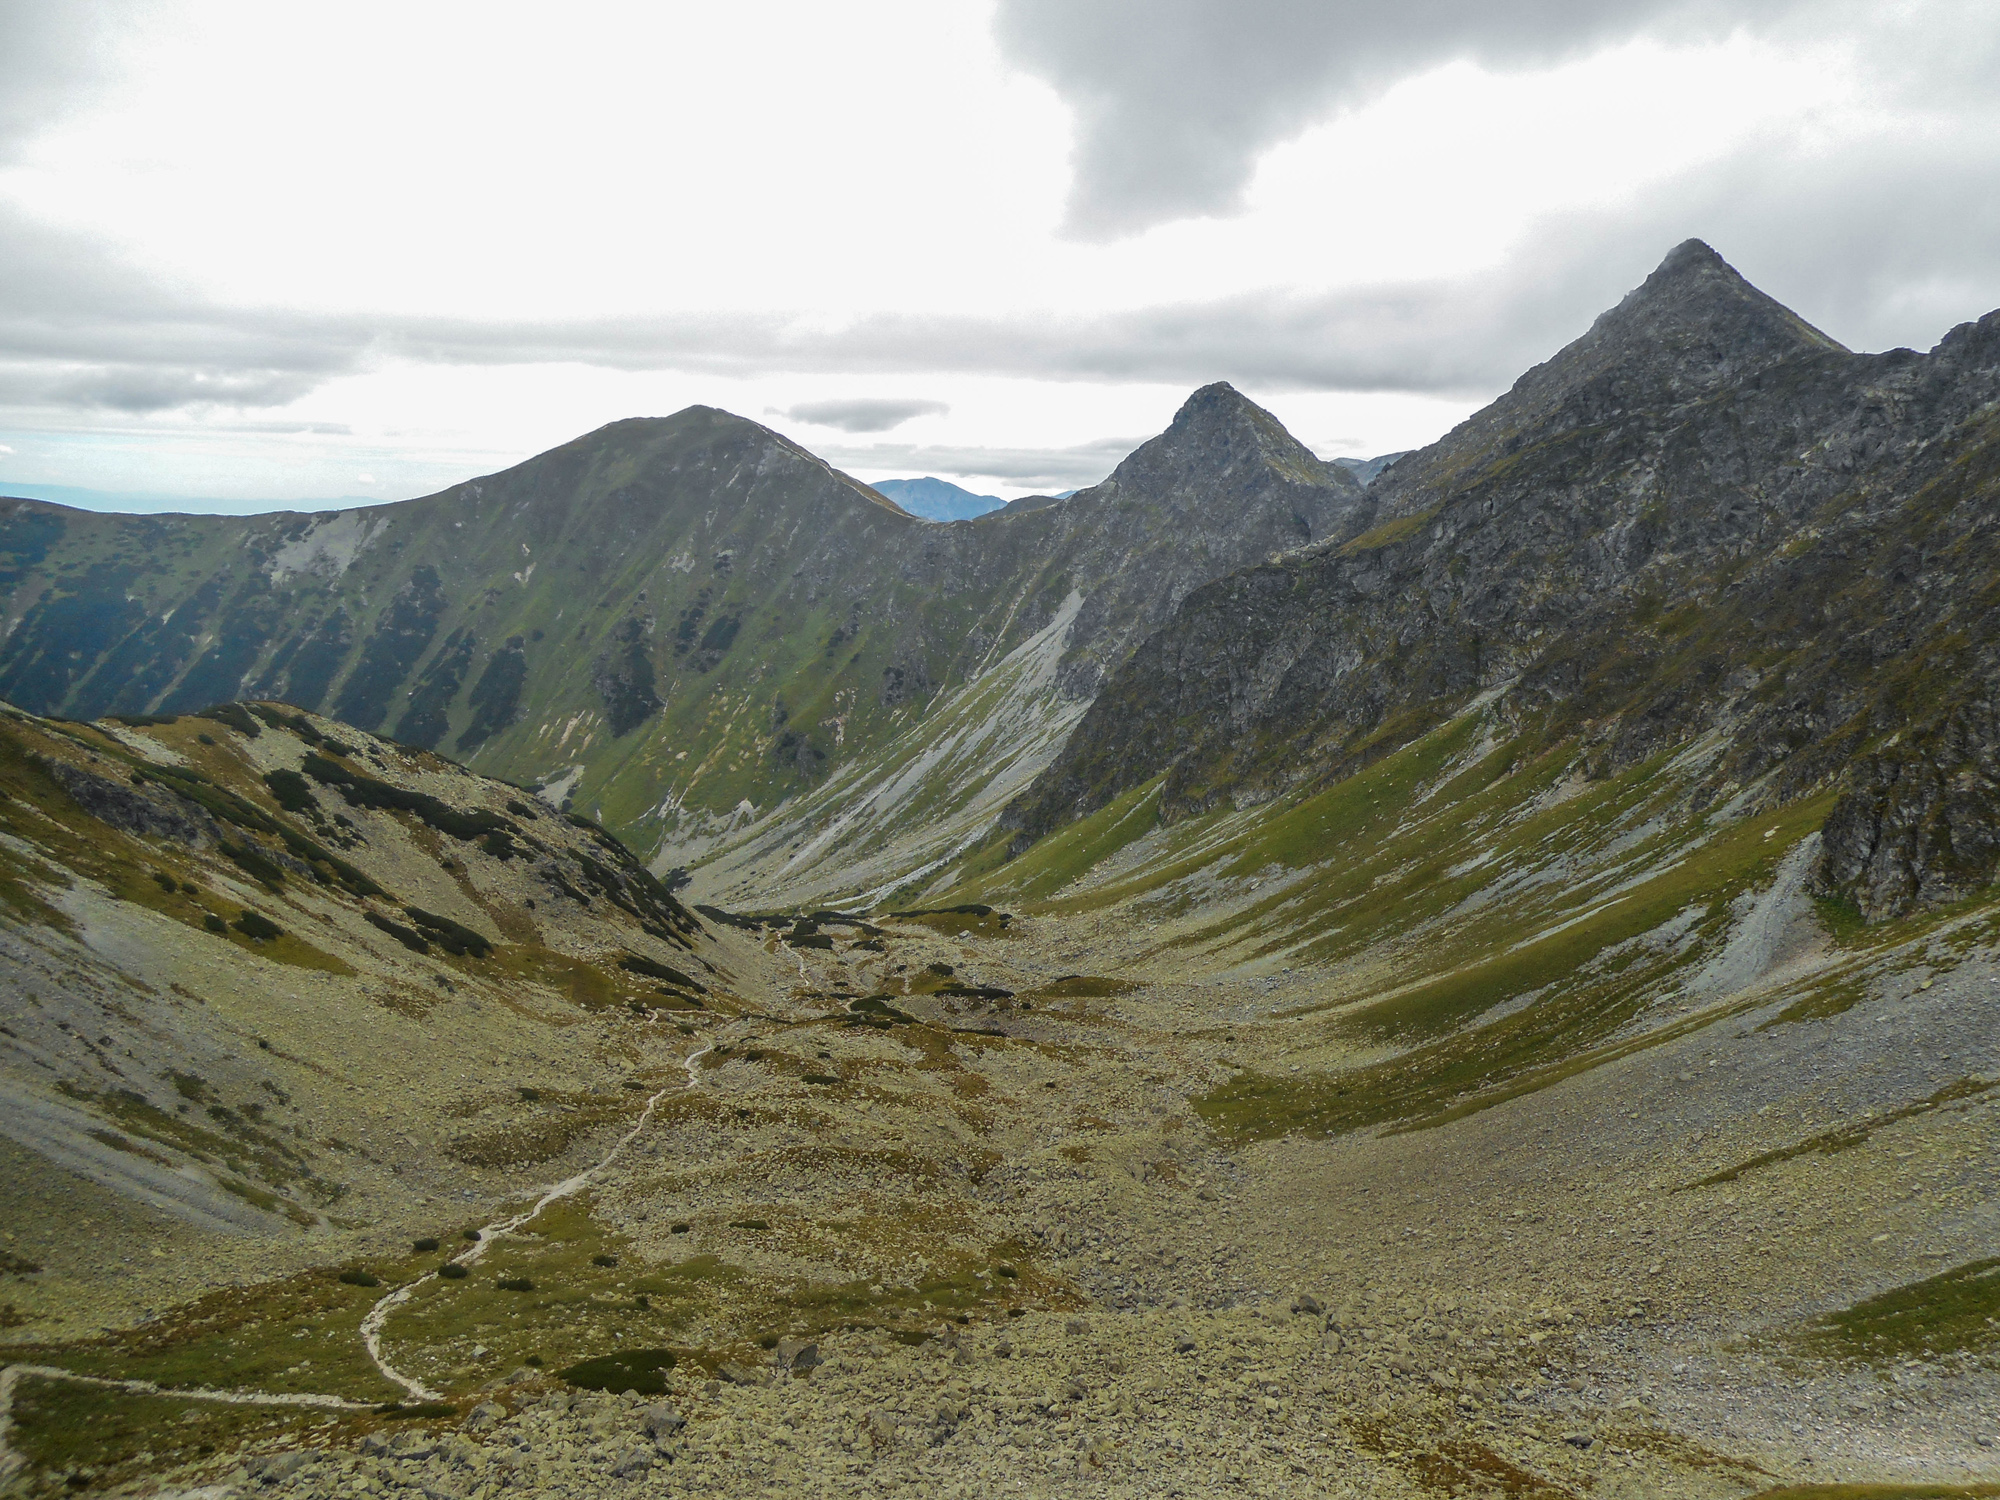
[(1702, 517), (666, 618)]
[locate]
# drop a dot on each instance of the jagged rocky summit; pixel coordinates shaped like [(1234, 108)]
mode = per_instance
[(1704, 518)]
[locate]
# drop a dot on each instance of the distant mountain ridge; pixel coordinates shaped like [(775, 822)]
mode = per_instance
[(1368, 470), (156, 502), (938, 499), (677, 622)]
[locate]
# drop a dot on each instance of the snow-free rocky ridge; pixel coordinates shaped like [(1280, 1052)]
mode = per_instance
[(1481, 984)]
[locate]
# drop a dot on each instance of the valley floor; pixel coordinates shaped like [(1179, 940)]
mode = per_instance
[(1028, 1257)]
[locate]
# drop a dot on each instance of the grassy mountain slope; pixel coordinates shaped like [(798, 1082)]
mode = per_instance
[(679, 623), (212, 920)]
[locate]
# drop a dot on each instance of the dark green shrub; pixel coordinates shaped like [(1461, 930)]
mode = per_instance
[(256, 863), (533, 1359), (515, 1284), (530, 1096), (473, 1235), (262, 928), (214, 923), (292, 791), (447, 934), (165, 881), (189, 888), (424, 1244), (682, 1228), (604, 1260), (367, 791), (638, 963), (821, 1078), (360, 1278), (409, 937), (397, 1412), (451, 1270), (206, 739), (641, 1370), (235, 715)]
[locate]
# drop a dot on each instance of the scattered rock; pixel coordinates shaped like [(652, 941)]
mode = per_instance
[(636, 1460), (486, 1414), (803, 1354), (662, 1422), (276, 1468)]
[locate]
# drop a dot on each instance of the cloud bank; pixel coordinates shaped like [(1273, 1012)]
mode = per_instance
[(1175, 99), (1882, 240), (863, 413)]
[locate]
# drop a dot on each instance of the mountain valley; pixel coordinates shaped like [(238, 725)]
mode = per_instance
[(661, 972)]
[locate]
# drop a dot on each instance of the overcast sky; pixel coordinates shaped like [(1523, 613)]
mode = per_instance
[(271, 252)]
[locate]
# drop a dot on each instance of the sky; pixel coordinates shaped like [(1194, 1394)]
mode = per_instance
[(255, 254)]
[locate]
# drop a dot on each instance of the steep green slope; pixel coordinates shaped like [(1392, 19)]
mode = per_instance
[(219, 927), (1473, 917), (676, 623)]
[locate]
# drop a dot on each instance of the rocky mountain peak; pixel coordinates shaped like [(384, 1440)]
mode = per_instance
[(1693, 327), (1696, 306), (1220, 435)]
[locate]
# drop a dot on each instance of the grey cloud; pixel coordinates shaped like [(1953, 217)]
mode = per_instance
[(133, 389), (81, 329), (863, 413), (52, 54), (1027, 468), (1174, 99), (1880, 245)]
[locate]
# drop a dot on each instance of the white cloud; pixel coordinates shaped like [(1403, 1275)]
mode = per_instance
[(442, 246)]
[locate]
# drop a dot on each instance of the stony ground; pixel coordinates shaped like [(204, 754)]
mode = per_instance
[(1018, 1258)]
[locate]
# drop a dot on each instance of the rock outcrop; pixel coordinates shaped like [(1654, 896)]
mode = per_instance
[(1702, 516)]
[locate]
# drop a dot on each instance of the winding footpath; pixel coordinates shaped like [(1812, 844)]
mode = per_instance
[(378, 1315), (11, 1461)]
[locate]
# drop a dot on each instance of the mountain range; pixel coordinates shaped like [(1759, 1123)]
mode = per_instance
[(679, 623), (937, 499), (661, 968)]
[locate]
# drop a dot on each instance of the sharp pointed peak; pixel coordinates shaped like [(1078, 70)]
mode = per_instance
[(1694, 296), (1220, 431), (1219, 404), (1693, 255)]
